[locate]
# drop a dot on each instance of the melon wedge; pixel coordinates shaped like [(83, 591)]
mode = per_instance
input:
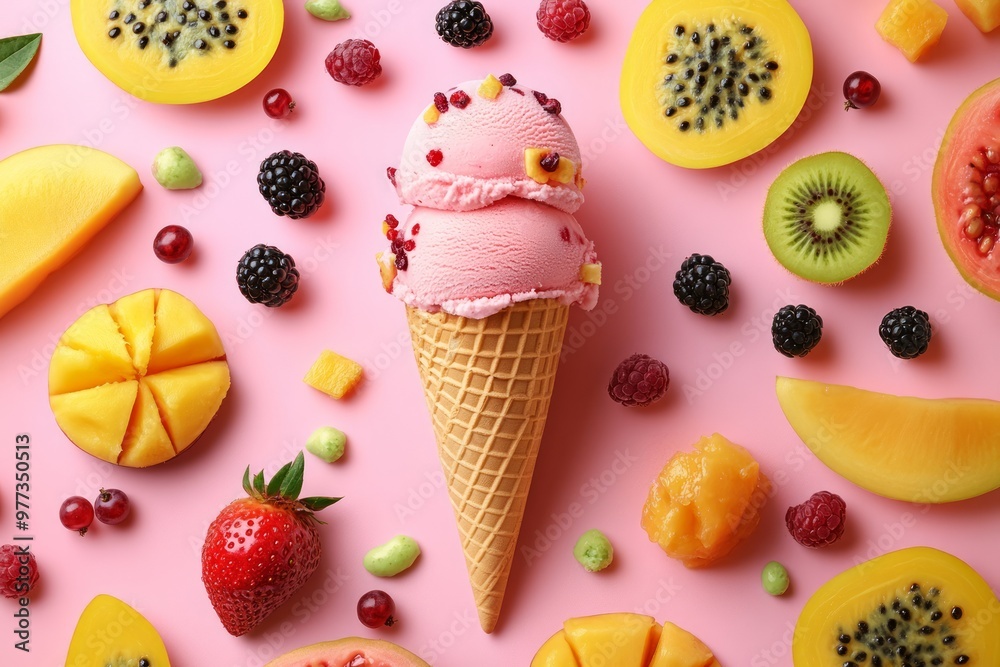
[(914, 449), (53, 200), (153, 348)]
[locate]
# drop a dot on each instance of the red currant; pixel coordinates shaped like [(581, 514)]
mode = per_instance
[(278, 103), (173, 244), (375, 609), (111, 507), (861, 90), (76, 513)]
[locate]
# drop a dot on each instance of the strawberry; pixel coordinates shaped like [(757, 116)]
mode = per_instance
[(261, 549)]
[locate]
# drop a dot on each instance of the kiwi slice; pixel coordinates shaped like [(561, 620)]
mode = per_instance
[(827, 218)]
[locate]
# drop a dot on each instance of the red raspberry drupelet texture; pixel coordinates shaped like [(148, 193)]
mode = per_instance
[(819, 521), (639, 381), (354, 62), (563, 20)]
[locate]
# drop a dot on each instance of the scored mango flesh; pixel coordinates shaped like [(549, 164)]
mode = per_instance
[(136, 382)]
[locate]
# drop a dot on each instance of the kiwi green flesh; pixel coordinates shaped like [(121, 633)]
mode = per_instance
[(713, 72), (915, 626), (177, 28), (827, 218)]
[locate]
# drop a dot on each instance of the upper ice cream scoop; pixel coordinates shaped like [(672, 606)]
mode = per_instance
[(482, 141), (476, 263)]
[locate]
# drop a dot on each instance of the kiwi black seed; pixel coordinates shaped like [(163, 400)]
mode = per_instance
[(731, 57), (911, 629), (827, 218), (189, 32)]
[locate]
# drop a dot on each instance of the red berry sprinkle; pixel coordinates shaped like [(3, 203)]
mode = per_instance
[(391, 220), (392, 234), (460, 99), (402, 262), (508, 80), (390, 173), (18, 571), (819, 521), (552, 106), (550, 162), (639, 381), (541, 97), (409, 245), (354, 62), (434, 157), (441, 102), (564, 234), (518, 91), (563, 20)]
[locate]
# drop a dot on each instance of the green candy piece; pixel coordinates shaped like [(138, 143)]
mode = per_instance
[(327, 443), (593, 551), (774, 578), (393, 557), (328, 10), (174, 169)]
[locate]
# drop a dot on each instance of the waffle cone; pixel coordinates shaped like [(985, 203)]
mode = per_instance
[(488, 384)]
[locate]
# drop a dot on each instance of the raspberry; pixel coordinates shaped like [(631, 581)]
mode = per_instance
[(906, 331), (639, 380), (434, 157), (354, 62), (14, 583), (819, 521), (563, 20), (460, 99)]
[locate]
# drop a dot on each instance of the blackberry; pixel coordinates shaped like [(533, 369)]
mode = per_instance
[(464, 23), (291, 184), (796, 330), (266, 275), (907, 332), (702, 284)]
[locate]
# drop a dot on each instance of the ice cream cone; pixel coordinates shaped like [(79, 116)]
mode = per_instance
[(488, 383)]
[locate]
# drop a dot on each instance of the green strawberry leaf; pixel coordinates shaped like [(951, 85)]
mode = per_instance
[(274, 486), (259, 488), (246, 482), (316, 503), (291, 485), (16, 53)]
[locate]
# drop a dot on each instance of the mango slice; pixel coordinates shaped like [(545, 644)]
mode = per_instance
[(110, 632), (96, 419)]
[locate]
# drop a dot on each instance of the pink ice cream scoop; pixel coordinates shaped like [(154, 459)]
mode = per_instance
[(476, 263), (486, 140)]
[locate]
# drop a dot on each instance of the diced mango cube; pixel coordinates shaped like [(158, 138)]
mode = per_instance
[(612, 639), (432, 115), (912, 26), (334, 375), (490, 87), (565, 171), (679, 648), (556, 652), (591, 274), (984, 13), (387, 268)]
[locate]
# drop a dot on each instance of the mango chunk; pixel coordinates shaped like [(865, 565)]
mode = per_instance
[(135, 317), (679, 648), (188, 338), (555, 652), (96, 419), (611, 639), (334, 375), (984, 13), (912, 26), (188, 398), (146, 442), (490, 88)]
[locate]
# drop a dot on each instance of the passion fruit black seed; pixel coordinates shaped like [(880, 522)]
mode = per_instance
[(734, 65), (149, 21), (911, 631)]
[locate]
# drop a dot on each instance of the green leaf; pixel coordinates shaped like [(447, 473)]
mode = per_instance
[(246, 482), (258, 485), (291, 486), (274, 486), (316, 503), (16, 53)]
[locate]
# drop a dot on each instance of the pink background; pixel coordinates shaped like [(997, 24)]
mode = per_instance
[(598, 458)]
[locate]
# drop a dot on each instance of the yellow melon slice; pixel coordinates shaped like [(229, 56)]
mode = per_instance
[(190, 338), (110, 632), (134, 315), (612, 639), (53, 200), (146, 442), (96, 419), (188, 398), (110, 348)]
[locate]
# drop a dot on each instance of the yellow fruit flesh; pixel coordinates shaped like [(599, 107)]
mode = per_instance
[(611, 639), (96, 419), (759, 122), (679, 648), (53, 200), (915, 449), (166, 411), (199, 75), (703, 503), (984, 13), (856, 594), (334, 375), (555, 652), (912, 26), (110, 632)]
